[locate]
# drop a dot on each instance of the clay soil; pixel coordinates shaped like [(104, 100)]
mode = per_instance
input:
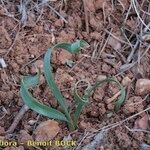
[(26, 34)]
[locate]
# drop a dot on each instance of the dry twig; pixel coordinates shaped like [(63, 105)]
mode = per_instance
[(18, 117), (16, 37), (86, 17)]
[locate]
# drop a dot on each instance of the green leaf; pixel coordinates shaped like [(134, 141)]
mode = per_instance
[(81, 101), (31, 81), (121, 98), (50, 80), (72, 48), (32, 103)]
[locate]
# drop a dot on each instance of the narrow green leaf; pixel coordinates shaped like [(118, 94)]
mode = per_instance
[(33, 103), (81, 101), (121, 98), (50, 80), (72, 48), (31, 81)]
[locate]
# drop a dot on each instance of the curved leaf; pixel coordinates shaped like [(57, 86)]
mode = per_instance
[(82, 100), (30, 81), (32, 103), (50, 80), (121, 98), (73, 47)]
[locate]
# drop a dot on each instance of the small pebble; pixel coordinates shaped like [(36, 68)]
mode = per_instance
[(101, 77), (142, 87), (47, 130), (2, 63), (126, 81)]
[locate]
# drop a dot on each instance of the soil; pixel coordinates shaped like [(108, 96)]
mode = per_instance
[(23, 43)]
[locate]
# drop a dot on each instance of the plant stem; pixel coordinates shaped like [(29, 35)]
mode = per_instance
[(71, 125)]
